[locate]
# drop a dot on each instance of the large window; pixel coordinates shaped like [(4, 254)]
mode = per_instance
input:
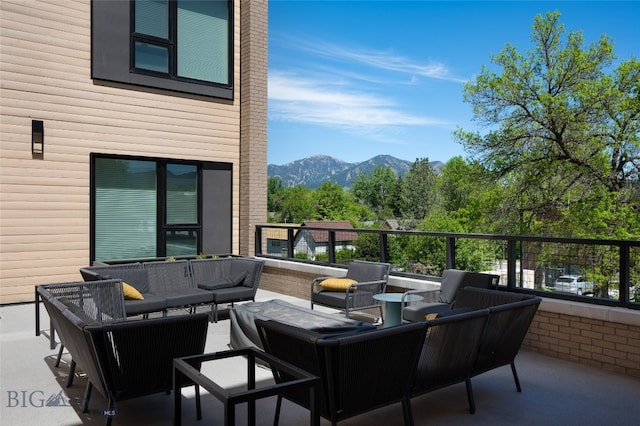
[(183, 45), (147, 208), (182, 38)]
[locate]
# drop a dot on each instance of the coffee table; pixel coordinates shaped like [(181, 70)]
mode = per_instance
[(393, 306), (186, 372)]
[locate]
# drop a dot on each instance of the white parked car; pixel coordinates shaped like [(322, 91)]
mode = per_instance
[(576, 284)]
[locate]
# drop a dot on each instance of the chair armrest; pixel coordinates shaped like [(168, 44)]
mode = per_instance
[(356, 286), (428, 296)]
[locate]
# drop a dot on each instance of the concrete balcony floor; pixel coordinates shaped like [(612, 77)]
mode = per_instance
[(554, 392)]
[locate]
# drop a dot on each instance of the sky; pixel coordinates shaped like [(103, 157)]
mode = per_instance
[(355, 79)]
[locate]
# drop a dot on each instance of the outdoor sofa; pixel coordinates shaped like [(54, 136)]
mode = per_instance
[(484, 331), (165, 285), (123, 359)]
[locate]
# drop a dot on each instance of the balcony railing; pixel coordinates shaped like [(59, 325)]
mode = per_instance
[(604, 272)]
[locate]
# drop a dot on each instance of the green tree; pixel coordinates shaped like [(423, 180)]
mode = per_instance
[(275, 194), (418, 191), (564, 134), (376, 189), (330, 202), (297, 205)]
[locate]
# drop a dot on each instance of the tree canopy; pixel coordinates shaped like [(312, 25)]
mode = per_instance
[(562, 132)]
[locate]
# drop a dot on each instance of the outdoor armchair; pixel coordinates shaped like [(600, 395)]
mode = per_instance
[(354, 291), (443, 299), (358, 371)]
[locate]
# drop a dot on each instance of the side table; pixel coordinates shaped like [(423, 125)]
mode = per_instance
[(186, 372), (393, 306)]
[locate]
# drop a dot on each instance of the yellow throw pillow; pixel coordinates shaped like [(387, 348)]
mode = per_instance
[(337, 284), (130, 292), (430, 317)]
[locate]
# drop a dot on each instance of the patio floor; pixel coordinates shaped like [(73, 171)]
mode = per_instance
[(554, 392)]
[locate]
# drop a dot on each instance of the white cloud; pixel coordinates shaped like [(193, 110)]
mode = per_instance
[(316, 101), (379, 59)]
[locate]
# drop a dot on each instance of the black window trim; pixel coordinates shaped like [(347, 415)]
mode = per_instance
[(101, 70)]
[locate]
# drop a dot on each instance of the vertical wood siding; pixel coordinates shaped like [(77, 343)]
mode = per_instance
[(45, 74)]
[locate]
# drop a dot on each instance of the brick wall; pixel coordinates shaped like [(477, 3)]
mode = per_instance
[(595, 343), (601, 344)]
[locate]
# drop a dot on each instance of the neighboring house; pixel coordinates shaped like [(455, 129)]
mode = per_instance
[(129, 129), (277, 240), (391, 224), (316, 241)]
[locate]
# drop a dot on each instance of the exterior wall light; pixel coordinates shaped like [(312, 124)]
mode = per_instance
[(37, 137)]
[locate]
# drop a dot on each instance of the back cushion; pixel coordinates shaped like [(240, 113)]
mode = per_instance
[(138, 278), (450, 284)]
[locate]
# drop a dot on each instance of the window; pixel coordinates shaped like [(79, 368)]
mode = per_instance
[(147, 208), (182, 45), (182, 38)]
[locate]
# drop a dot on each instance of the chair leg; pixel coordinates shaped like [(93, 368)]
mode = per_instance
[(198, 406), (276, 417), (112, 406), (472, 402), (87, 397), (515, 376), (59, 355), (406, 410), (72, 372)]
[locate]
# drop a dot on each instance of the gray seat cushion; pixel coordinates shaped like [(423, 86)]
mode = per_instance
[(418, 312), (233, 294), (151, 303), (186, 296)]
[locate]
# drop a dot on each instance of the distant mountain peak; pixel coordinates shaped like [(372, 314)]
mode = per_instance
[(313, 171)]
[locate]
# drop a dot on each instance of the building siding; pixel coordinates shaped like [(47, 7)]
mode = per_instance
[(45, 74)]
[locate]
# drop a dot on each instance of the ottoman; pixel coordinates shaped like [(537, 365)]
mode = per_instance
[(243, 333)]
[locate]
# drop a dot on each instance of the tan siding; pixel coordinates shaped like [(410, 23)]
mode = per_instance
[(45, 74)]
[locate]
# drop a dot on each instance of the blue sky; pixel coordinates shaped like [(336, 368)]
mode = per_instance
[(356, 79)]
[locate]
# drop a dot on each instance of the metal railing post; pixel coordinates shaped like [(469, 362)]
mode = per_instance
[(384, 247), (450, 252), (332, 246)]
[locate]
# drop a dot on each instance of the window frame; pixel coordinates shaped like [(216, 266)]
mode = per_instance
[(162, 227), (113, 56)]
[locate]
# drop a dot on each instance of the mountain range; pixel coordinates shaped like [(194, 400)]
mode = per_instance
[(311, 172)]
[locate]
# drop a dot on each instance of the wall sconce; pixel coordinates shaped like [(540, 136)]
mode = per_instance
[(37, 136)]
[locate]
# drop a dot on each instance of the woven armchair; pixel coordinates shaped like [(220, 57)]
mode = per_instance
[(370, 279), (358, 371), (444, 299)]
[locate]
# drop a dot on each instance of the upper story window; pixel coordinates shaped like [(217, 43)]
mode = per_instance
[(182, 38), (181, 45)]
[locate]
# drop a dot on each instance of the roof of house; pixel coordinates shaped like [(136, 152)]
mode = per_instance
[(320, 236)]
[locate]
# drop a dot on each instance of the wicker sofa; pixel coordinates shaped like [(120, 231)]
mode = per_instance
[(123, 359), (168, 285), (484, 331)]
